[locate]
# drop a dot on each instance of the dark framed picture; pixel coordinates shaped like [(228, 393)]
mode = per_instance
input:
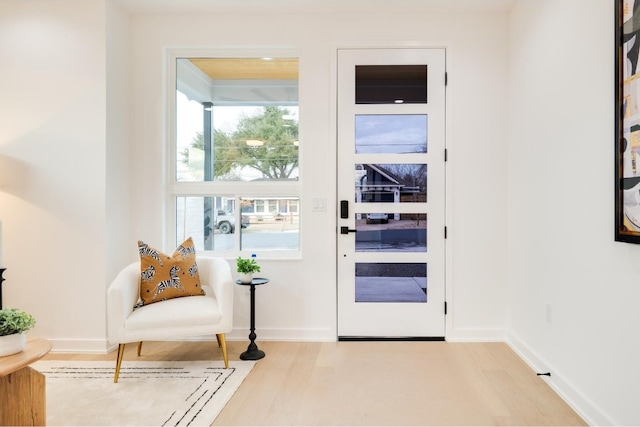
[(627, 121)]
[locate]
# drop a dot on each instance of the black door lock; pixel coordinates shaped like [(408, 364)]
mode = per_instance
[(344, 209)]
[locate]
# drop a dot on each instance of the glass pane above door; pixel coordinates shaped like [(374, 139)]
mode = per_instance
[(391, 84)]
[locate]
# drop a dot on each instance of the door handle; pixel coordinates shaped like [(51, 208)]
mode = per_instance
[(347, 230)]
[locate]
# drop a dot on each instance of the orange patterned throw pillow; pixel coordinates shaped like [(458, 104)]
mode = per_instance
[(164, 277)]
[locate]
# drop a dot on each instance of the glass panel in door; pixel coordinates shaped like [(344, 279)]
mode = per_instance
[(388, 282)]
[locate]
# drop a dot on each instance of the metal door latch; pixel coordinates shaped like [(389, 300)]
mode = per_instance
[(347, 230)]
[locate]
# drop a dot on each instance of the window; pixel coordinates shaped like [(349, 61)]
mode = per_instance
[(235, 154)]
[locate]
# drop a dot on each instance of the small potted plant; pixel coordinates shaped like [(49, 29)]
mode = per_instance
[(14, 325), (246, 267)]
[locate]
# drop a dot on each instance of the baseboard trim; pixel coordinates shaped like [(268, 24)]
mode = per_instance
[(276, 334), (475, 335), (588, 410), (80, 346), (103, 346)]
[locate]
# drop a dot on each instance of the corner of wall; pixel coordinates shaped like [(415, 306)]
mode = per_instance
[(582, 405)]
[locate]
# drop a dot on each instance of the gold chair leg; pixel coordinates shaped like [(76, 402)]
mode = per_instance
[(118, 362), (218, 338), (139, 348), (223, 345)]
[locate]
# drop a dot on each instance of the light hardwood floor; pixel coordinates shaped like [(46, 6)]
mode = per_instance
[(375, 383)]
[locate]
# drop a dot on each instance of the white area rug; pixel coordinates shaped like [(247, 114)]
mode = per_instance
[(147, 393)]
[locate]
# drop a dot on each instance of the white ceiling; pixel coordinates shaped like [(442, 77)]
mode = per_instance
[(306, 6)]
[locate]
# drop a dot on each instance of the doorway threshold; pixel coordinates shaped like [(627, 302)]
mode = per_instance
[(350, 338)]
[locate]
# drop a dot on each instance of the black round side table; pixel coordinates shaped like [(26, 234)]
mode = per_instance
[(253, 353)]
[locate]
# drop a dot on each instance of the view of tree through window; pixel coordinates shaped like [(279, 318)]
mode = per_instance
[(263, 145), (236, 121)]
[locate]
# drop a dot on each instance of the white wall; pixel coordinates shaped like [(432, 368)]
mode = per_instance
[(52, 108), (300, 300), (561, 211), (118, 164)]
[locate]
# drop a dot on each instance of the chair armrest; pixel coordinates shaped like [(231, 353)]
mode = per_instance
[(122, 295), (217, 274)]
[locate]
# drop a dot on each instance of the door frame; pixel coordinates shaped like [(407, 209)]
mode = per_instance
[(449, 332)]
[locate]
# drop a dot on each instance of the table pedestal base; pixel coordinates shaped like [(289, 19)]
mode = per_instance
[(22, 388), (252, 354), (22, 398)]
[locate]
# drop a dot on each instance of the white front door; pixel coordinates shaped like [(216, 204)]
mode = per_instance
[(391, 193)]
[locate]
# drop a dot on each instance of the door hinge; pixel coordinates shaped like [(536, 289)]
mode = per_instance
[(445, 308), (446, 155), (446, 78), (445, 231)]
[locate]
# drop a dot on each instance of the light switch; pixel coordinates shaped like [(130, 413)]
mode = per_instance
[(319, 204)]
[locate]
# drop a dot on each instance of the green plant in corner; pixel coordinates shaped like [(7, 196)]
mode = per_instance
[(247, 265), (14, 321)]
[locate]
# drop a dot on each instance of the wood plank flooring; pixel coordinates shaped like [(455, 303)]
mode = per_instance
[(375, 383)]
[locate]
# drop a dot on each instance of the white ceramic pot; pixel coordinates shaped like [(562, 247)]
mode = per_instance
[(12, 344), (246, 277)]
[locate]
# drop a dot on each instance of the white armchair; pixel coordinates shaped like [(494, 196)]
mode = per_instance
[(176, 318)]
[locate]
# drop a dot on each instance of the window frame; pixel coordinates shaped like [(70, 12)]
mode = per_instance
[(230, 189)]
